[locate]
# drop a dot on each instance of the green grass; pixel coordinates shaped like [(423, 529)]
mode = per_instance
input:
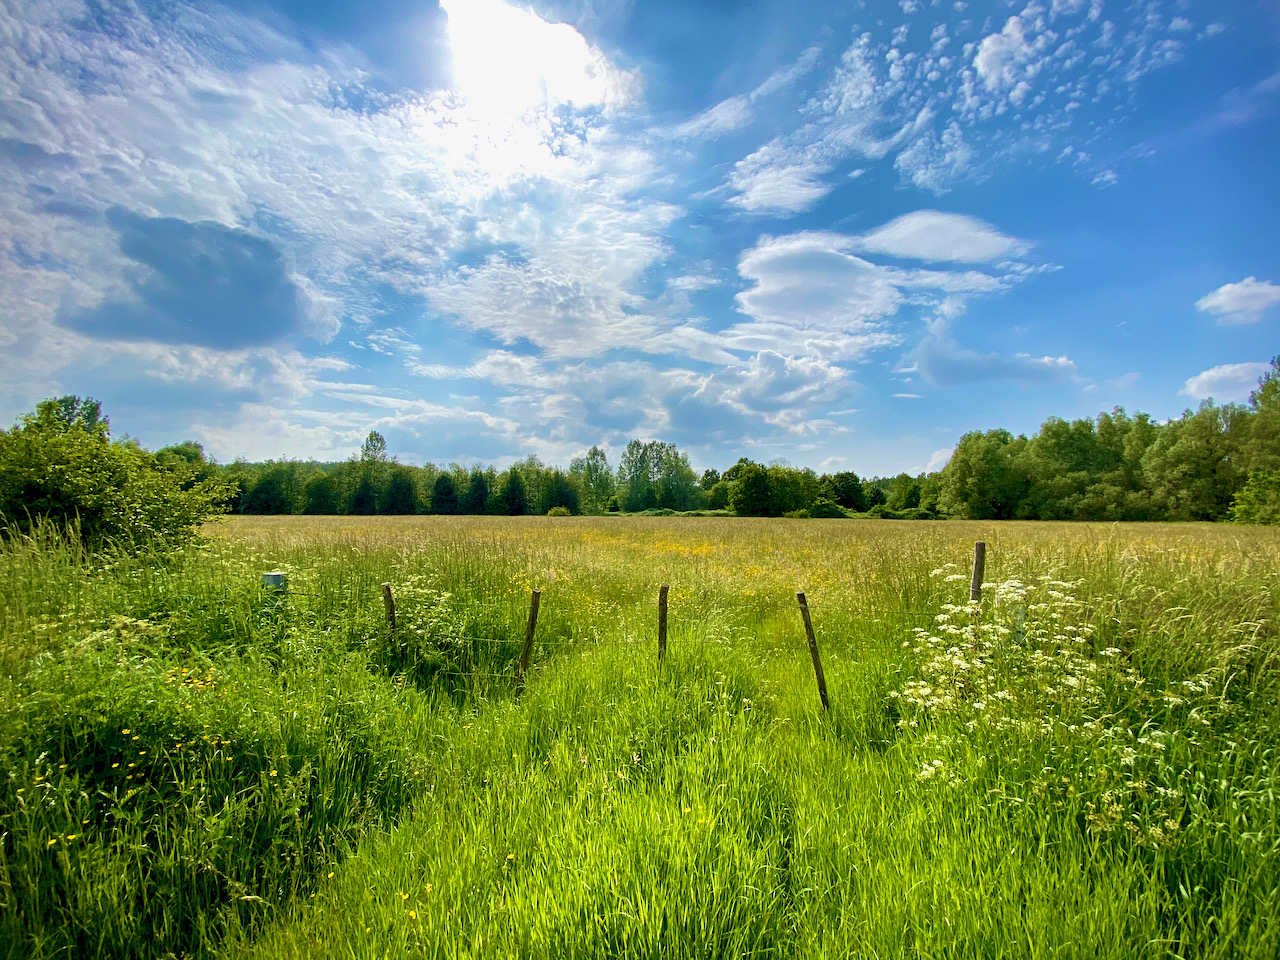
[(1087, 767)]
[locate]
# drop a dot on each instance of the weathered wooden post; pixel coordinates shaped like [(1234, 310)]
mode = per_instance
[(528, 639), (979, 566), (662, 622), (813, 652), (389, 602)]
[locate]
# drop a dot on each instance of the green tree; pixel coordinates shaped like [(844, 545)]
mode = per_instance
[(401, 497), (188, 453), (275, 490), (1261, 451), (595, 479), (718, 495), (1190, 469), (364, 497), (559, 492), (675, 483), (322, 495), (444, 496), (513, 499), (749, 494), (636, 472), (374, 449), (845, 488), (476, 498), (873, 493), (904, 492), (1259, 500), (984, 479), (61, 467), (791, 489)]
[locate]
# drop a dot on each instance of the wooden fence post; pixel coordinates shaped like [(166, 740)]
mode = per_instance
[(979, 566), (534, 601), (390, 604), (813, 651), (662, 622)]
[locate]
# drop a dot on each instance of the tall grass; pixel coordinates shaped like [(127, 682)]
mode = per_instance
[(1083, 767)]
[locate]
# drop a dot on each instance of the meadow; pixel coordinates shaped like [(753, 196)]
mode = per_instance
[(1084, 765)]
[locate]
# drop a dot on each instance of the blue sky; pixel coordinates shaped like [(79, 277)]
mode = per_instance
[(840, 234)]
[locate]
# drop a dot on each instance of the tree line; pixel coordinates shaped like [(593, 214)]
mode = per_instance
[(1217, 462), (1221, 462)]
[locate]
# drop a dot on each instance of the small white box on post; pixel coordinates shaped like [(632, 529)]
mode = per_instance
[(275, 582)]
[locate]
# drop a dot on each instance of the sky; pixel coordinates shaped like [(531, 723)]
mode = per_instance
[(836, 234)]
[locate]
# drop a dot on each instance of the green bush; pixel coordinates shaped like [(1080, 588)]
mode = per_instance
[(60, 467), (1259, 500), (826, 509), (559, 512)]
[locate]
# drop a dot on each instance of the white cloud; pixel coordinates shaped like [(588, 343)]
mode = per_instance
[(938, 236), (1227, 383), (947, 112), (1240, 303), (939, 459), (810, 295), (775, 180), (356, 188), (1008, 59), (734, 113), (724, 117)]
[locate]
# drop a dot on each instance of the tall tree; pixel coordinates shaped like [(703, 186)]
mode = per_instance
[(322, 495), (476, 498), (984, 479), (559, 492), (401, 496), (512, 496), (636, 471), (749, 495), (1190, 468), (595, 478), (444, 496), (845, 488), (374, 449)]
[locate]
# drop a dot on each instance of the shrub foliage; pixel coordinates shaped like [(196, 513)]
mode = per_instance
[(60, 467)]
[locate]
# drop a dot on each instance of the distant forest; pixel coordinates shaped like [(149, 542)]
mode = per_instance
[(1219, 462)]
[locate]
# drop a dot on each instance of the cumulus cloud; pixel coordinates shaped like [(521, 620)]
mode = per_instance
[(1240, 303), (1226, 383)]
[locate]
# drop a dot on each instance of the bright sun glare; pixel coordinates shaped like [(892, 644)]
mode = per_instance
[(507, 61)]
